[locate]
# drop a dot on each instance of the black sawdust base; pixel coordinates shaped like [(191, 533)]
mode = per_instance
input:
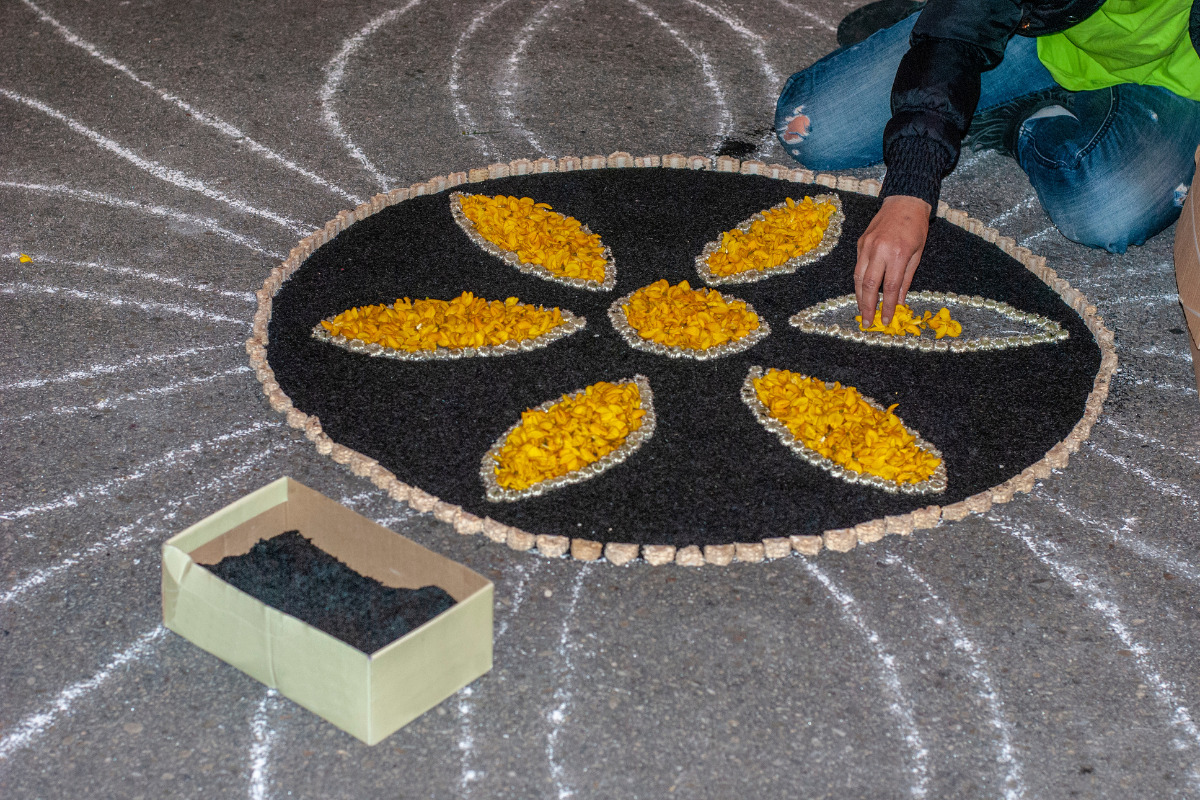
[(710, 474)]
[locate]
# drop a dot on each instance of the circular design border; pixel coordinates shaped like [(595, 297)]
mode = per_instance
[(838, 540)]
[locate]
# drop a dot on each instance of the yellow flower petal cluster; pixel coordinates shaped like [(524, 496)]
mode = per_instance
[(680, 316), (578, 430), (904, 322), (465, 321), (537, 234), (784, 233), (840, 425)]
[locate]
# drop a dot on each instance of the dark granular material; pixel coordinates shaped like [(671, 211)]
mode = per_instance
[(711, 474), (289, 573)]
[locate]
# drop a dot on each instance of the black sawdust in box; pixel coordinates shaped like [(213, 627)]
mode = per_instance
[(368, 694)]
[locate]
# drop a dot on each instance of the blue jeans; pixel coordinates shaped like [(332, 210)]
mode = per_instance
[(1110, 175)]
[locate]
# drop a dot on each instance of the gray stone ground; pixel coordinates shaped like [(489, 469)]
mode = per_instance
[(1044, 651)]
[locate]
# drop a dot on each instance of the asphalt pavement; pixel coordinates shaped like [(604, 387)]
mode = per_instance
[(157, 159)]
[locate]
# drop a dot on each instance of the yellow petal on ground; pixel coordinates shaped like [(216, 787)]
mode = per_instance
[(785, 232), (537, 235), (838, 423), (566, 435), (905, 321), (24, 259), (416, 326)]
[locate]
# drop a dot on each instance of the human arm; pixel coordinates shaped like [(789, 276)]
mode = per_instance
[(933, 98), (888, 254)]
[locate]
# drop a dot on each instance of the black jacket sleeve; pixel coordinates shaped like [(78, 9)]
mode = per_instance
[(937, 88)]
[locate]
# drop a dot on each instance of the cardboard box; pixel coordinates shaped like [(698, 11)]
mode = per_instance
[(368, 696)]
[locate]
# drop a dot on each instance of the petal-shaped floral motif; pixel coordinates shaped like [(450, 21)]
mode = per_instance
[(776, 241), (417, 330), (570, 439), (986, 324), (682, 322), (850, 436), (536, 239)]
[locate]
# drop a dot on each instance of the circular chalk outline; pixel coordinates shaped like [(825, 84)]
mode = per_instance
[(838, 540)]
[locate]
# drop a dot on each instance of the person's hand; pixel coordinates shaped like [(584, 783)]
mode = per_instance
[(888, 254)]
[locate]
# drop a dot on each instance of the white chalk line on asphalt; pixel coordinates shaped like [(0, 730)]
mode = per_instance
[(139, 528), (1012, 783), (1124, 536), (725, 117), (335, 73), (1153, 383), (800, 9), (25, 289), (262, 737), (1161, 352), (510, 84), (462, 114), (757, 46), (1024, 205), (109, 369), (109, 403), (1150, 440), (563, 695), (468, 776), (1160, 485), (203, 117), (898, 703), (1035, 236), (163, 173), (132, 272), (27, 731), (206, 223), (1143, 299), (168, 459), (1178, 714)]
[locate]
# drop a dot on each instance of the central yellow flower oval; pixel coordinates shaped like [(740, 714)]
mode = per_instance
[(538, 237), (837, 423), (680, 320), (467, 321), (570, 439)]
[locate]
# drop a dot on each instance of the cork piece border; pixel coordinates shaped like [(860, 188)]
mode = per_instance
[(570, 324), (934, 484), (633, 442), (1049, 330), (838, 540), (616, 315), (510, 256), (829, 240)]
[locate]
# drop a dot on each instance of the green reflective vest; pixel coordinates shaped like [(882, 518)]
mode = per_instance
[(1126, 41)]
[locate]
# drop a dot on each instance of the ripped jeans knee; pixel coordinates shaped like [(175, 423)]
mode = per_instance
[(818, 128), (794, 128)]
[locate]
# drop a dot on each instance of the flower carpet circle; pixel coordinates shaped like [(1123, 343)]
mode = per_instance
[(716, 471)]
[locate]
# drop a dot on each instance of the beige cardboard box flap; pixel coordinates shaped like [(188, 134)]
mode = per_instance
[(367, 695)]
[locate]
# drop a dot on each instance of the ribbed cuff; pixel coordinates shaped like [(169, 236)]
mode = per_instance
[(915, 168)]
